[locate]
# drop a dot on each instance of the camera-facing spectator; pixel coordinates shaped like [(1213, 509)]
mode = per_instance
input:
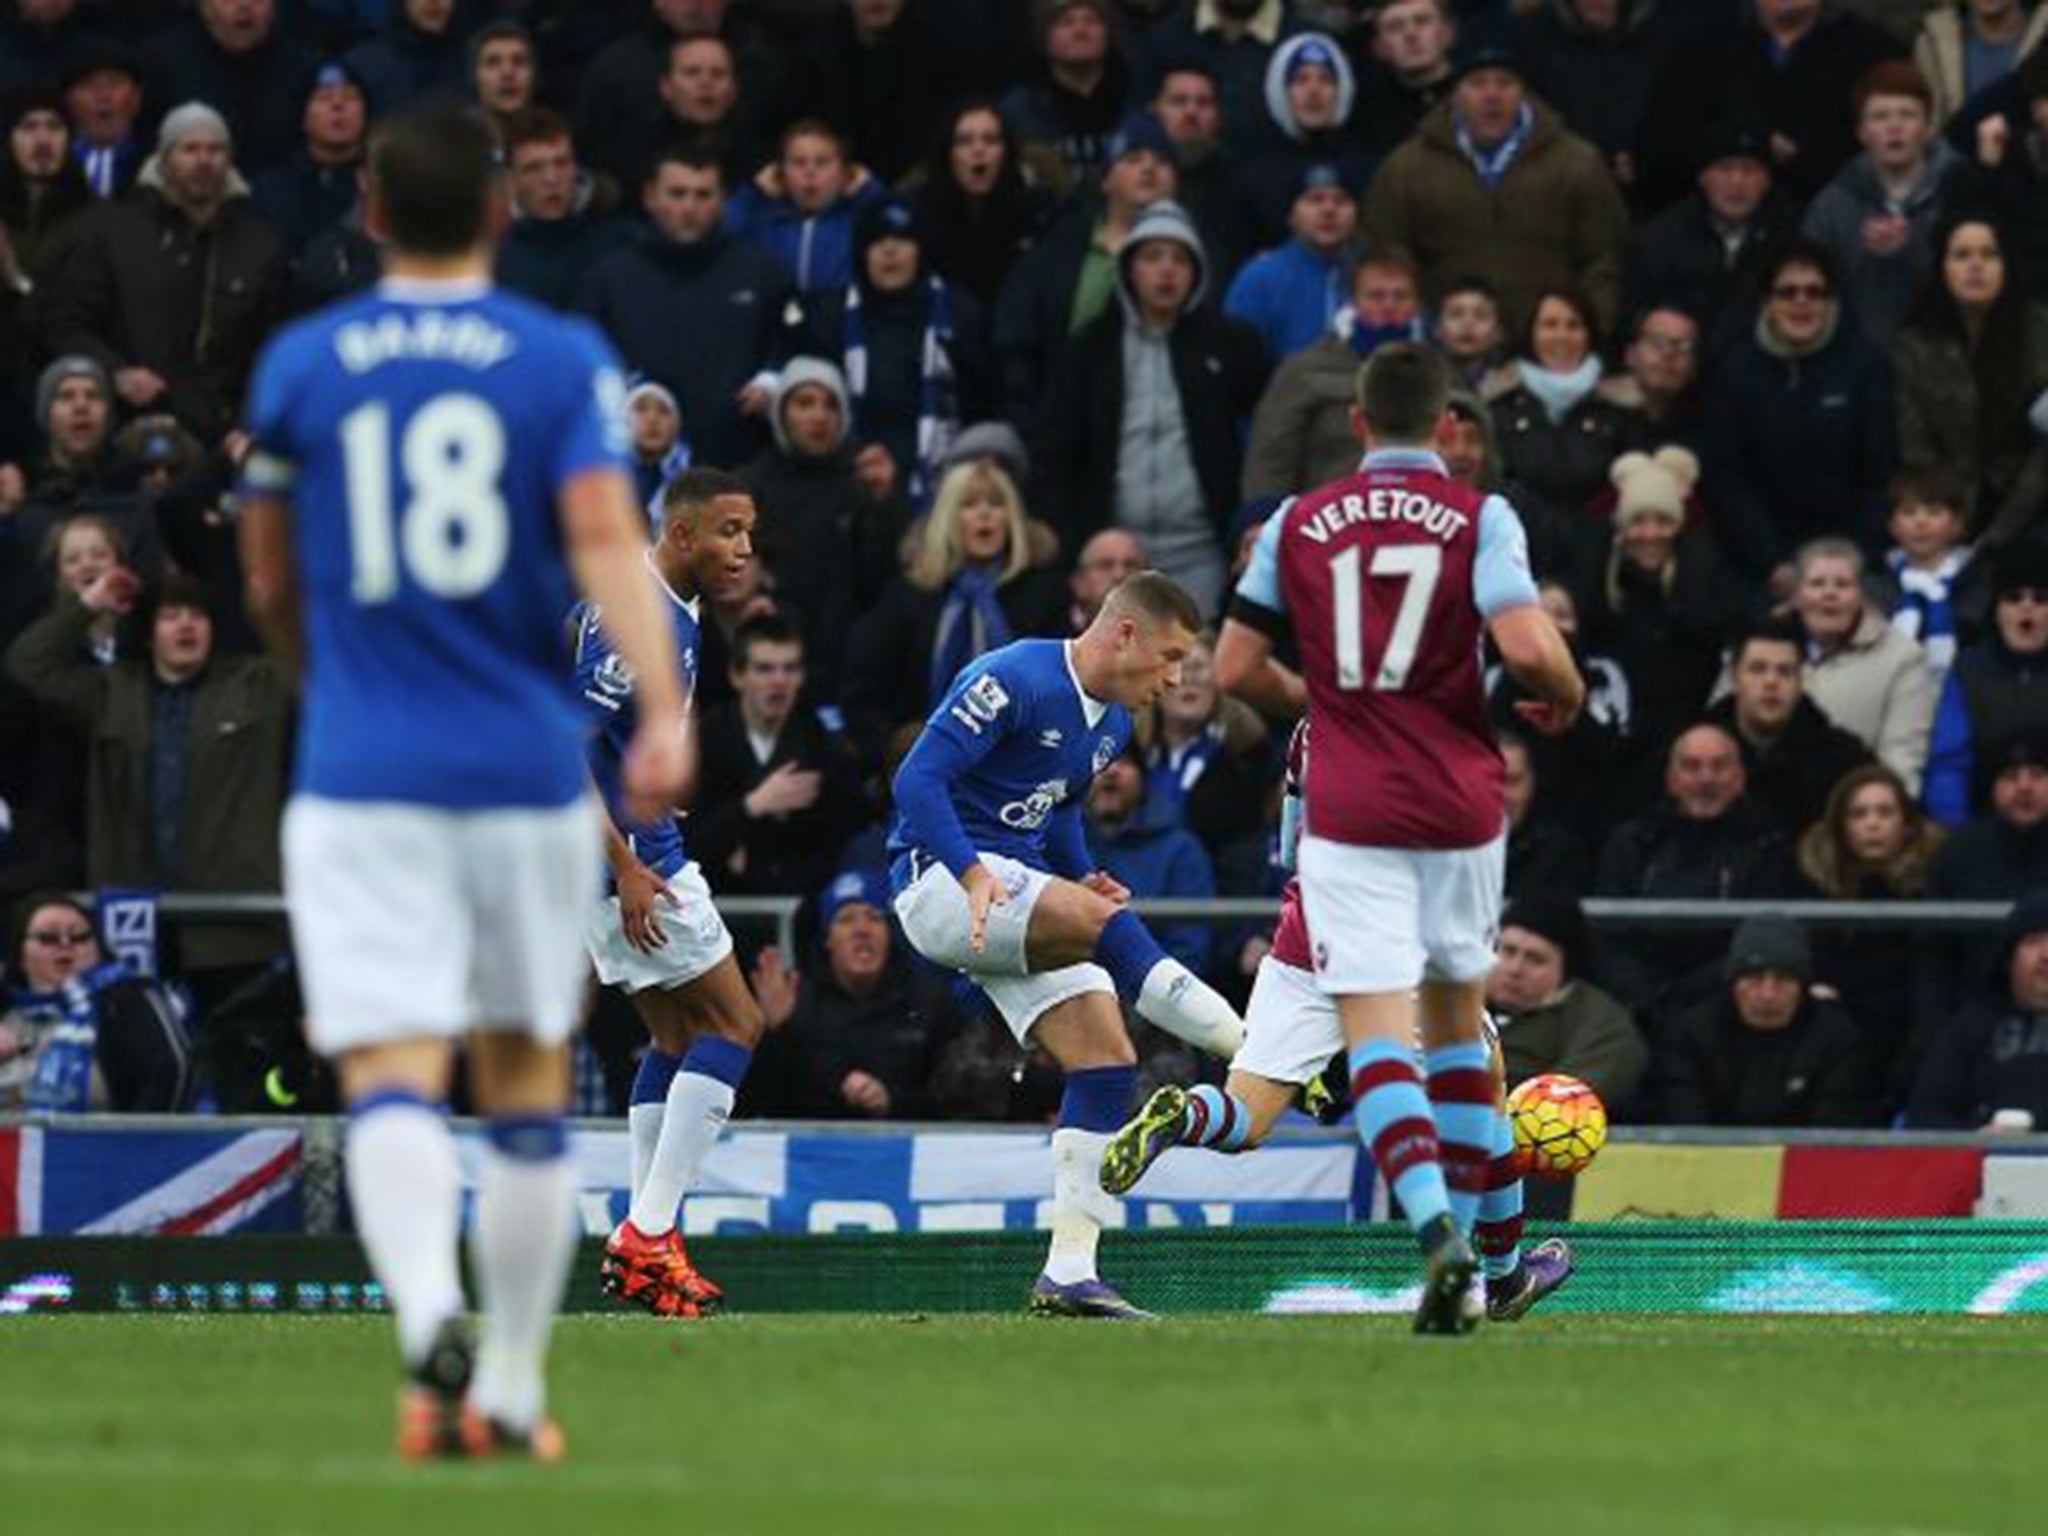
[(1927, 563), (1661, 377), (1595, 62), (1792, 753), (1551, 1018), (1301, 432), (1582, 772), (2002, 852), (418, 53), (1310, 93), (1867, 678), (1411, 52), (980, 209), (1291, 293), (660, 448), (43, 197), (234, 56), (1108, 558), (1469, 329), (1800, 432), (1994, 689), (504, 73), (1769, 1050), (1209, 169), (103, 100), (80, 1031), (1558, 420), (564, 218), (802, 207), (1076, 92), (1973, 375), (1230, 46), (1988, 1069), (316, 187), (1207, 757)]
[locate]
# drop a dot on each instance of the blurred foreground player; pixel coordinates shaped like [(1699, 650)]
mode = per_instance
[(657, 934), (1391, 578), (433, 464)]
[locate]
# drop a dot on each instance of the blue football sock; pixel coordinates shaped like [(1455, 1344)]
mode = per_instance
[(1128, 952), (1462, 1095), (1216, 1120), (1394, 1122)]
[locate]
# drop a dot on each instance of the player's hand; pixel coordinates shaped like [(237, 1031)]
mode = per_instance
[(1107, 885), (784, 792), (659, 767), (641, 892), (775, 987), (114, 590), (139, 386), (865, 1092), (984, 890), (1548, 718)]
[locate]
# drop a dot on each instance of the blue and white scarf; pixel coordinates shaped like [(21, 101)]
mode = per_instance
[(1368, 339), (1927, 608), (1492, 164), (938, 406), (971, 623)]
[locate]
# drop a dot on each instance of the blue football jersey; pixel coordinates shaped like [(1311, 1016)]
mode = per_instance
[(422, 433), (1025, 741), (605, 684)]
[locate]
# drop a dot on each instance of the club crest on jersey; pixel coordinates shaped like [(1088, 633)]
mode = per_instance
[(1105, 749), (1051, 736), (1030, 813), (614, 677), (979, 705)]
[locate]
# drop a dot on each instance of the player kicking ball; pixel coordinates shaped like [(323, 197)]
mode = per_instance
[(992, 877), (657, 935), (1291, 1032), (1391, 578), (432, 463)]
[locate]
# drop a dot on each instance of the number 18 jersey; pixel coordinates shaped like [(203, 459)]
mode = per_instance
[(422, 433), (1388, 577)]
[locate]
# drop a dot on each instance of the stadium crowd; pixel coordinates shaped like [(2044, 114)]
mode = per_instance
[(994, 302)]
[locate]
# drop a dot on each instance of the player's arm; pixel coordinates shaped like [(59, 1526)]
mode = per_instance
[(1257, 618), (606, 540), (1531, 646), (961, 732), (640, 889), (264, 532)]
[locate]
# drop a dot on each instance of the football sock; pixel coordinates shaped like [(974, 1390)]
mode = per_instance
[(406, 1189), (1216, 1120), (700, 1101), (1461, 1094), (1164, 991), (648, 1108), (522, 1245), (1095, 1103), (1499, 1231), (1394, 1122)]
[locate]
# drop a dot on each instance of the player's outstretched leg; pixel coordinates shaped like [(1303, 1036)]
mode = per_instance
[(1174, 1117), (405, 1187), (1463, 1098), (523, 1243), (1164, 991), (1395, 1123), (1094, 1104), (1515, 1280)]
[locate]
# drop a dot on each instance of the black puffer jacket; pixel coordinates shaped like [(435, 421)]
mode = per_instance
[(1711, 1069), (1563, 461)]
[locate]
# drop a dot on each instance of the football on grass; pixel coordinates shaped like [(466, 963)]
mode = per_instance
[(1560, 1125)]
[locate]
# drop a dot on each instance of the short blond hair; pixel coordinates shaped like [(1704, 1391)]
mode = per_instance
[(935, 556)]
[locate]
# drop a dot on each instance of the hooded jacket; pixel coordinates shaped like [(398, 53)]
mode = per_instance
[(1291, 295), (1991, 694), (815, 249), (1274, 167), (1879, 289), (1599, 82), (1556, 213), (1715, 1070), (1993, 1055)]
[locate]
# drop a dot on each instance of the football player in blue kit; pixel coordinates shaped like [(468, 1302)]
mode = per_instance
[(993, 878), (657, 934), (437, 467)]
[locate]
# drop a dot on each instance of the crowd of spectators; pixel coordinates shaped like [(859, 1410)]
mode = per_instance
[(993, 302)]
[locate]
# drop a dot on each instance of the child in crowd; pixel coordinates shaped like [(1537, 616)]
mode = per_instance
[(1468, 329), (801, 208), (660, 451), (1927, 560)]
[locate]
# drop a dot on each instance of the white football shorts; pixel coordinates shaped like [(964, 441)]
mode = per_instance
[(1386, 919), (694, 938), (1291, 1028), (934, 913), (417, 921)]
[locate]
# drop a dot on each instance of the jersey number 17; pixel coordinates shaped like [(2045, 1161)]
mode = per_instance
[(1417, 567), (453, 534)]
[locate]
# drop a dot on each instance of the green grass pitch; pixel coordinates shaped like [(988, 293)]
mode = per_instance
[(1581, 1425)]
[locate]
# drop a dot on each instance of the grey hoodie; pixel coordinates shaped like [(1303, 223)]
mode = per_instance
[(1163, 221), (1276, 81)]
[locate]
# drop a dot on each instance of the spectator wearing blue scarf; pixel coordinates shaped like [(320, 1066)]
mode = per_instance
[(660, 449)]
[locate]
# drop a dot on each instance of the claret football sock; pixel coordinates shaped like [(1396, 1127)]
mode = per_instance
[(1164, 991), (1498, 1235), (405, 1186), (700, 1101), (522, 1246), (1216, 1120), (649, 1107), (1394, 1122), (1095, 1103), (1461, 1095)]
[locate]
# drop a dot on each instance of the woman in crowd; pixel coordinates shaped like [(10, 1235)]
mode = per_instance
[(1973, 368), (1864, 675), (980, 208), (81, 550), (979, 576), (1874, 843), (1555, 418)]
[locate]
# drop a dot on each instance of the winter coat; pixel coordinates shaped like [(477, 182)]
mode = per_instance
[(302, 197), (886, 682), (336, 263), (2004, 464), (1581, 1032), (1556, 214), (1237, 65), (621, 118), (1679, 257), (1885, 978), (261, 92), (788, 854), (701, 319), (1714, 1070), (888, 95), (1791, 777), (1546, 860), (1941, 49), (1301, 431), (1077, 129), (1564, 462), (974, 244), (241, 725), (1878, 688), (1152, 854), (1992, 693), (1990, 1057), (814, 249), (1599, 82), (547, 260), (1880, 289), (149, 288), (402, 64), (2016, 189), (1290, 294), (1799, 446), (1662, 854), (1032, 330)]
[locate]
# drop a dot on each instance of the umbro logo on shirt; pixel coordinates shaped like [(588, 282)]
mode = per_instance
[(1050, 737)]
